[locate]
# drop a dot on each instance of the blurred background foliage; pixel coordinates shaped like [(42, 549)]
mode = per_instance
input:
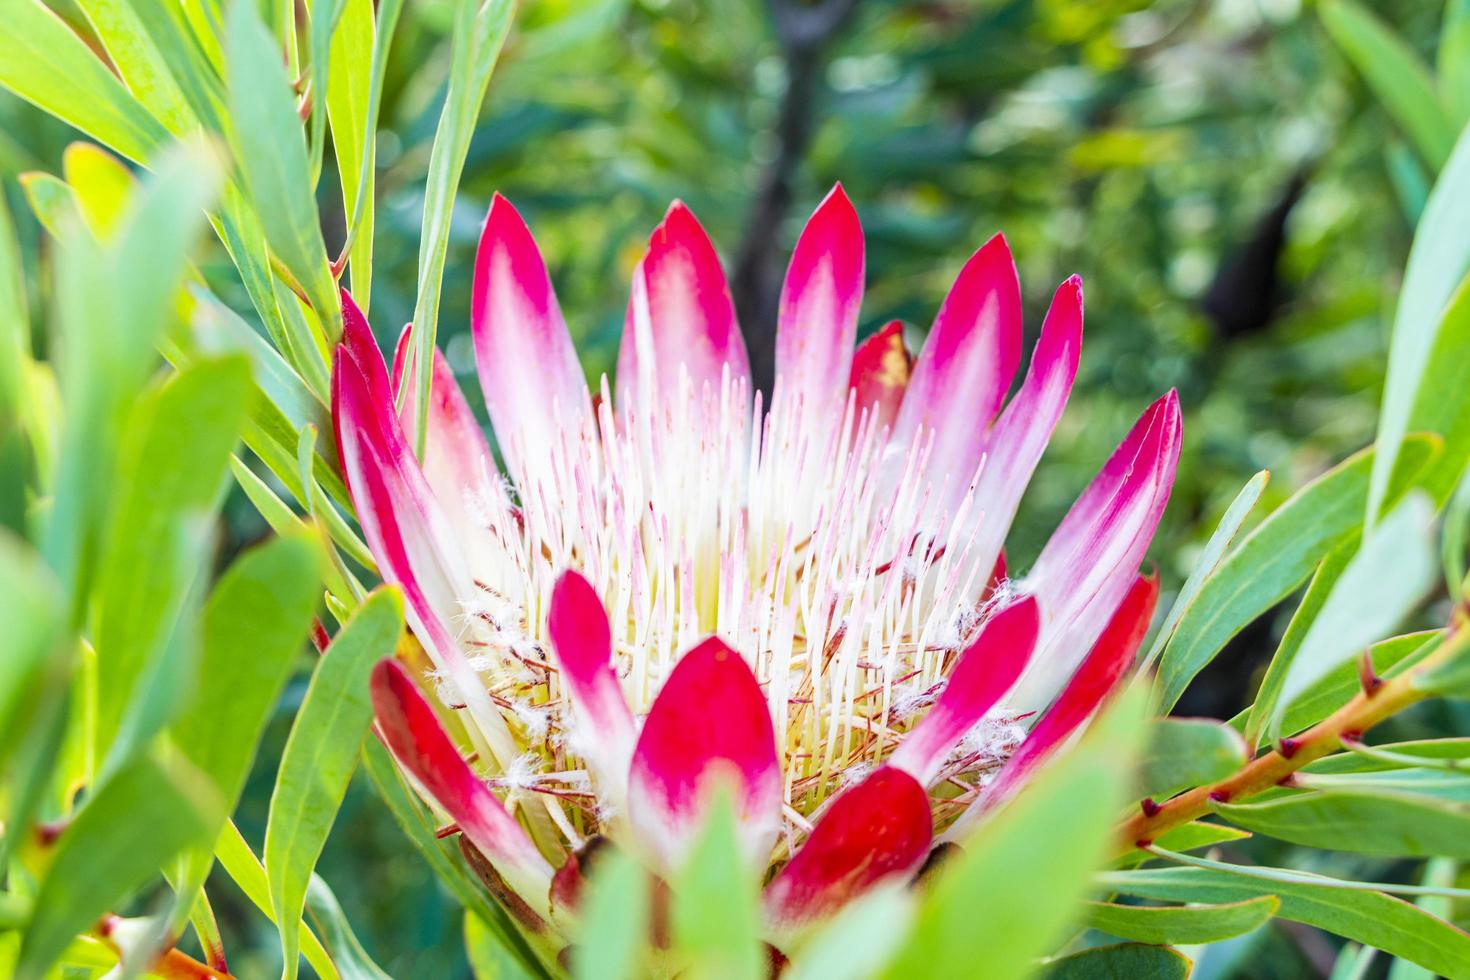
[(1236, 200)]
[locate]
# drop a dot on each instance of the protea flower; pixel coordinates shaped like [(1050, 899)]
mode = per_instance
[(679, 587)]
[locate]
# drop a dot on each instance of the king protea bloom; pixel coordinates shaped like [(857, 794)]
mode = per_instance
[(678, 593)]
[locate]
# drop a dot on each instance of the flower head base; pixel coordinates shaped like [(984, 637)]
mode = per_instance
[(681, 586)]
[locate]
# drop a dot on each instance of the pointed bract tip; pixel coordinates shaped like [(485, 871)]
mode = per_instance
[(578, 625)]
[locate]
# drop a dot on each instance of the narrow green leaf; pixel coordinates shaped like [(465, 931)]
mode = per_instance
[(1365, 822), (246, 871), (1395, 74), (418, 823), (1272, 561), (137, 821), (320, 755), (715, 916), (45, 63), (1365, 603), (1268, 697), (1437, 264), (1018, 885), (1441, 873), (478, 37), (1181, 924), (492, 960), (1442, 402), (615, 920), (1370, 917), (1209, 559), (171, 481), (1339, 685), (1131, 960), (254, 626), (859, 941), (351, 960), (352, 100), (271, 149), (1186, 752), (1453, 62), (139, 61), (1189, 837), (33, 627)]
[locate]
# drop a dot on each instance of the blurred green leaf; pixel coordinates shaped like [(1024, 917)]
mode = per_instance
[(1442, 401), (172, 473), (489, 958), (615, 920), (139, 819), (1186, 752), (254, 627), (114, 304), (1181, 924), (1437, 264), (44, 62), (1132, 961), (1018, 883), (1272, 561), (1453, 62), (1365, 603), (1369, 917), (320, 756), (33, 627), (1395, 74), (859, 941), (715, 913)]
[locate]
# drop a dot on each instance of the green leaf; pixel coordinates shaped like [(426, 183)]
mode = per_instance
[(1181, 924), (137, 821), (139, 62), (1187, 752), (1017, 886), (1126, 961), (715, 914), (1189, 837), (1453, 63), (45, 63), (171, 482), (615, 920), (478, 37), (255, 625), (1395, 74), (33, 628), (352, 102), (271, 149), (1365, 822), (489, 958), (1268, 697), (1442, 401), (351, 960), (419, 824), (1339, 685), (1272, 561), (1437, 264), (1370, 917), (320, 755), (115, 304), (1382, 583), (1209, 559), (246, 871), (859, 941)]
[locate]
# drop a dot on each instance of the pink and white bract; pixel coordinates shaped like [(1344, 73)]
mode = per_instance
[(679, 587)]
